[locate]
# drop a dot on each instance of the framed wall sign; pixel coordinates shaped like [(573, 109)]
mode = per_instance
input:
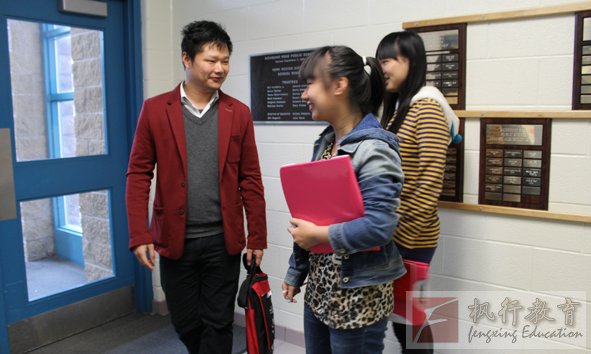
[(446, 60), (453, 177), (582, 61), (514, 162), (275, 88)]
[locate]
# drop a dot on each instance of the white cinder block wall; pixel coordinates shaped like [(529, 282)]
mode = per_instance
[(511, 65)]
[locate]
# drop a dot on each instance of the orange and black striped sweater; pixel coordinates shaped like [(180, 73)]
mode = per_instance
[(424, 138)]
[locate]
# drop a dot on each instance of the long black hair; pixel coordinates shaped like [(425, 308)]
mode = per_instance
[(366, 91), (409, 45)]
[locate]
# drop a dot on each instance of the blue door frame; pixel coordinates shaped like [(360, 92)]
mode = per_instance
[(123, 93)]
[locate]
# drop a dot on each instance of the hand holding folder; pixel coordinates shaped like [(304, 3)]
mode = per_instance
[(324, 192)]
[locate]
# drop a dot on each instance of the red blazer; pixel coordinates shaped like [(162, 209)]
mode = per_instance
[(160, 142)]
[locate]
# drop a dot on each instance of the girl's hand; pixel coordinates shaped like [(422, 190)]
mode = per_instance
[(306, 234), (289, 292)]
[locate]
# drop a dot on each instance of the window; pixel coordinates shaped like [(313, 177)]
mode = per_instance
[(60, 110)]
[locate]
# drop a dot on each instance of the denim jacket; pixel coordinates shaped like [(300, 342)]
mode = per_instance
[(376, 160)]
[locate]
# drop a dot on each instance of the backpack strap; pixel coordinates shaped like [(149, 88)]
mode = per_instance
[(247, 283)]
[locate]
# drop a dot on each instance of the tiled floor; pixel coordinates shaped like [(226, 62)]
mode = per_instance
[(288, 348), (140, 333)]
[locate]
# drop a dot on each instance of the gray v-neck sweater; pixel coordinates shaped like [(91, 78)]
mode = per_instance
[(204, 216)]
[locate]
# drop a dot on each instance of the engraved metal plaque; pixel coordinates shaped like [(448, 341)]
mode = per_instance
[(451, 66), (450, 92), (494, 170), (514, 198), (493, 161), (449, 83), (493, 187), (433, 59), (532, 163), (532, 190), (511, 180), (450, 168), (440, 40), (532, 173), (532, 182), (512, 171), (7, 196), (512, 189), (514, 134), (513, 153), (532, 154), (451, 57), (449, 176), (434, 76), (494, 153), (494, 179), (513, 162), (493, 196), (450, 75), (587, 29)]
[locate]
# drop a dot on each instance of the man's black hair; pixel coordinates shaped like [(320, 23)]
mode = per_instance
[(197, 34)]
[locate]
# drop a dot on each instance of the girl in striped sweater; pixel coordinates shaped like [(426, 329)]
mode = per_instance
[(421, 117)]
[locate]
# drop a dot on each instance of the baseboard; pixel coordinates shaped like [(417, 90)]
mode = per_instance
[(68, 320), (159, 307), (282, 333)]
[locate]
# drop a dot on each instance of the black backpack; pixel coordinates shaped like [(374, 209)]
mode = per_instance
[(255, 297)]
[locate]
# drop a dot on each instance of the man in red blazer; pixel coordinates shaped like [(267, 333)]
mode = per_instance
[(201, 143)]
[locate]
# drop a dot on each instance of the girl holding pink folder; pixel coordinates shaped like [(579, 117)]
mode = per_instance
[(349, 292)]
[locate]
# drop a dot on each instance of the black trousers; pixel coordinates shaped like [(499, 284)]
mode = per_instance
[(200, 290)]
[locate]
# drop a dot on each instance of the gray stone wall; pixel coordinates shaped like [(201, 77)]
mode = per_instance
[(96, 239), (90, 140), (27, 84), (28, 104), (37, 224), (88, 91)]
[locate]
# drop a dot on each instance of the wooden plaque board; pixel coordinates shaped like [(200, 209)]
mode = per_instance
[(514, 162)]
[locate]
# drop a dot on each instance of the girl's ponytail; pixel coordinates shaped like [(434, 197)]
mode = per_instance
[(376, 83)]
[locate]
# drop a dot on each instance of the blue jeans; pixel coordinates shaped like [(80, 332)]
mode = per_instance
[(321, 339)]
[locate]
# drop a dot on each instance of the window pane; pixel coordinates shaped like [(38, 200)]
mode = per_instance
[(72, 212), (67, 128), (67, 120), (63, 64), (57, 260)]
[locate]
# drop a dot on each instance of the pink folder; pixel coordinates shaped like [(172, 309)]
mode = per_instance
[(415, 273), (324, 192)]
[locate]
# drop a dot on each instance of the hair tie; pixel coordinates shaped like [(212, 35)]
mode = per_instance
[(366, 66)]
